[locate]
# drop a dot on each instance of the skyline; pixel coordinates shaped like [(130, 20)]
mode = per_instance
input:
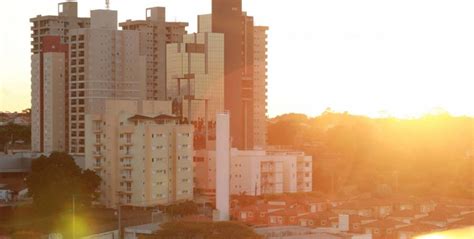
[(362, 65)]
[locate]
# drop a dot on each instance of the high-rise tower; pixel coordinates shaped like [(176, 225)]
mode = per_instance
[(228, 18), (49, 77), (105, 63)]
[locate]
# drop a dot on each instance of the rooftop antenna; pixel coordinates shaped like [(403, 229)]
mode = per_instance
[(107, 4)]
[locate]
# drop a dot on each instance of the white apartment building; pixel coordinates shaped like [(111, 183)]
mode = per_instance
[(260, 87), (49, 77), (142, 153), (256, 172), (104, 63)]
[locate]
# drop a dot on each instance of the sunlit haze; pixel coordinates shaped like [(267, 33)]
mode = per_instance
[(401, 58)]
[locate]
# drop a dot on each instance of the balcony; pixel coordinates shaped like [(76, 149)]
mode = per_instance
[(97, 166), (127, 178), (127, 143), (127, 166), (267, 169), (96, 153), (127, 190), (126, 155), (268, 181)]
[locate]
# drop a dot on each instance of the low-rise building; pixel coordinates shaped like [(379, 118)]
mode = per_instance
[(142, 153), (256, 172)]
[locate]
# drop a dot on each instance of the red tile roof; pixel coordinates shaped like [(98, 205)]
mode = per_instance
[(360, 219), (319, 215), (405, 213), (385, 223), (288, 212), (419, 228)]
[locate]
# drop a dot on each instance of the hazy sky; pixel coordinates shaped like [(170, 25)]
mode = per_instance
[(403, 57)]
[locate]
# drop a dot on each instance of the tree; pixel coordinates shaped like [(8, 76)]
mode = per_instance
[(204, 230), (26, 235), (12, 132), (431, 155), (182, 209), (56, 179)]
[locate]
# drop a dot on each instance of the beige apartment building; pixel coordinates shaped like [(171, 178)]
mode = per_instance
[(256, 172), (104, 63), (195, 74), (142, 153), (260, 87), (155, 33), (49, 77)]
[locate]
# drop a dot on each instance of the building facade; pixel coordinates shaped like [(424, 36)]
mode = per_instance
[(260, 87), (195, 70), (49, 77), (237, 27), (142, 153), (256, 172), (104, 63), (155, 33)]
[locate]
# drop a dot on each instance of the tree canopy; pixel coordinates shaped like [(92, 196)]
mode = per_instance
[(431, 155), (13, 132), (181, 209), (55, 180)]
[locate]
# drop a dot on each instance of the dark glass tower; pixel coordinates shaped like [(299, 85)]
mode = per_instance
[(228, 18)]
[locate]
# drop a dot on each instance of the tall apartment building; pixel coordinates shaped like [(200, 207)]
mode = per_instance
[(228, 18), (256, 172), (104, 63), (195, 75), (155, 33), (49, 77), (59, 25), (142, 153), (245, 71), (260, 87)]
